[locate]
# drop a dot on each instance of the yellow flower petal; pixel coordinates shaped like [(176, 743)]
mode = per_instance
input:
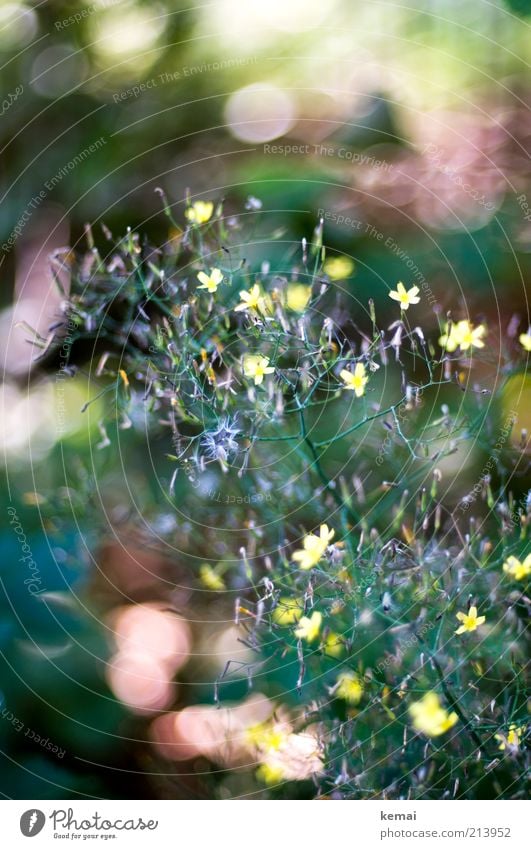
[(199, 212)]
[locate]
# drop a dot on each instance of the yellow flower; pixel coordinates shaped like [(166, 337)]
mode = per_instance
[(462, 335), (298, 296), (470, 620), (450, 338), (270, 773), (267, 736), (256, 366), (525, 340), (288, 611), (355, 381), (313, 548), (512, 738), (349, 688), (210, 578), (296, 759), (430, 717), (333, 646), (517, 569), (251, 300), (405, 297), (211, 281), (199, 212), (338, 267), (309, 627), (470, 336)]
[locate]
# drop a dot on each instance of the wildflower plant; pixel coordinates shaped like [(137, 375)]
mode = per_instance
[(250, 363)]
